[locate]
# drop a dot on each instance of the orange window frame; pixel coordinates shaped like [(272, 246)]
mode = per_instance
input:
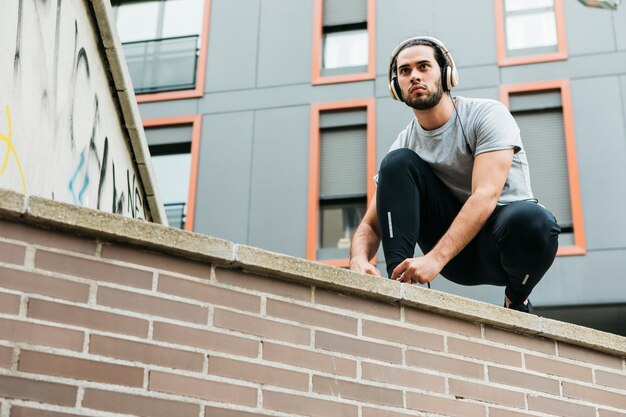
[(503, 60), (318, 35), (579, 247), (198, 91), (314, 168), (196, 129)]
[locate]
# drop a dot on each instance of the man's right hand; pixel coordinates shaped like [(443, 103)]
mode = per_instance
[(364, 267)]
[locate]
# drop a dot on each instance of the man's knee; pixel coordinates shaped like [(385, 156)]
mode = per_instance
[(529, 223), (400, 161)]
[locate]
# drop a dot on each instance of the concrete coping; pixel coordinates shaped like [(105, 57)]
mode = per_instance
[(91, 223)]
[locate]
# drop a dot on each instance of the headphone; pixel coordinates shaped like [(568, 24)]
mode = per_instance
[(449, 74)]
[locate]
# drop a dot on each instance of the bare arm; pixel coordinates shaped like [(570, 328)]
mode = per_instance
[(488, 177), (365, 242)]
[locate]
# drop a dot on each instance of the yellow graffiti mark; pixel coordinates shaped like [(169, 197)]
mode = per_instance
[(11, 150)]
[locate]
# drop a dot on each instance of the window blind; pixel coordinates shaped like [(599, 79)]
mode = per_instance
[(343, 12), (544, 141), (343, 156)]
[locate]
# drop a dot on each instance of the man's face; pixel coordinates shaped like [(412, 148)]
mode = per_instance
[(419, 77)]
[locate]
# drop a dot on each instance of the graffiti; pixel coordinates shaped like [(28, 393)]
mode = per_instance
[(62, 95), (8, 139)]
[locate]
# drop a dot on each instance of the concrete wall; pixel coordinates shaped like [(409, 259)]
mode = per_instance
[(105, 315), (61, 132)]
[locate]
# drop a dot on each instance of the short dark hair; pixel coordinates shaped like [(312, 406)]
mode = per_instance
[(439, 54)]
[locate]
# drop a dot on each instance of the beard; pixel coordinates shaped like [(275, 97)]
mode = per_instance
[(424, 102)]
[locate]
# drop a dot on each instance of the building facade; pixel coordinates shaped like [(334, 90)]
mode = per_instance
[(267, 120)]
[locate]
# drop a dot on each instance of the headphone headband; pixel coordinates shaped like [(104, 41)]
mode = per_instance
[(450, 76)]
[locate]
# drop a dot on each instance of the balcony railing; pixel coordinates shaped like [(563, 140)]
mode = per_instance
[(175, 213), (166, 64)]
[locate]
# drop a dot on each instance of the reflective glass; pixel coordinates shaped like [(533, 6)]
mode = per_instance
[(531, 30), (339, 223), (345, 49), (172, 176), (138, 21), (182, 17)]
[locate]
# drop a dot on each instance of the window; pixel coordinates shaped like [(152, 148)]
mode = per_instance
[(529, 31), (342, 165), (544, 116), (164, 43), (343, 42), (174, 148)]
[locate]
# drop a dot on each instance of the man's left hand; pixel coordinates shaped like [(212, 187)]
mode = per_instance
[(423, 270)]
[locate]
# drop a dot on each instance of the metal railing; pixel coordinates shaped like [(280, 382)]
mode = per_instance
[(166, 64)]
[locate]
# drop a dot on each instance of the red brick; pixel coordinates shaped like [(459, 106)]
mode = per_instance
[(307, 359), (596, 396), (403, 335), (117, 402), (223, 412), (45, 392), (145, 353), (559, 407), (445, 406), (377, 412), (357, 347), (261, 327), (6, 357), (93, 269), (38, 334), (485, 352), (208, 293), (17, 411), (86, 317), (34, 283), (524, 380), (9, 303), (203, 389), (440, 322), (236, 278), (444, 364), (156, 306), (82, 369), (357, 304), (403, 377), (156, 260), (608, 413), (263, 374), (611, 379), (501, 412), (486, 393), (12, 254), (559, 368), (205, 339), (307, 406), (357, 391), (510, 339), (312, 316), (43, 237), (589, 356)]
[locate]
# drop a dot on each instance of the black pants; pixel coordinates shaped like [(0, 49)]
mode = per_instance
[(514, 249)]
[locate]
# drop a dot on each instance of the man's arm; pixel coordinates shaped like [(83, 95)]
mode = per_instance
[(489, 174), (365, 242)]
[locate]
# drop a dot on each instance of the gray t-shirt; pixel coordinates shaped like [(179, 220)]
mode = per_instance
[(488, 126)]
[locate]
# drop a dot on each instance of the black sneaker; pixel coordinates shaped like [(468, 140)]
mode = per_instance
[(524, 308)]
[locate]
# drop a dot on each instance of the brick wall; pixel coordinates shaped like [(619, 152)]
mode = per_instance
[(92, 325)]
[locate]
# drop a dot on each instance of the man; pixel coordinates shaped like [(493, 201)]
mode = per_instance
[(455, 182)]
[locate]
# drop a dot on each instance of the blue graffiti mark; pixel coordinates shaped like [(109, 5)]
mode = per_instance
[(79, 198)]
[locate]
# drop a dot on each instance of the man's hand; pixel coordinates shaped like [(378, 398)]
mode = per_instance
[(364, 267), (423, 270)]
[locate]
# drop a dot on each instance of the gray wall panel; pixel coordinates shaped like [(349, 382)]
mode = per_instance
[(232, 54), (453, 20), (391, 118), (619, 20), (398, 20), (165, 109), (601, 154), (280, 175), (585, 40), (285, 42), (222, 201)]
